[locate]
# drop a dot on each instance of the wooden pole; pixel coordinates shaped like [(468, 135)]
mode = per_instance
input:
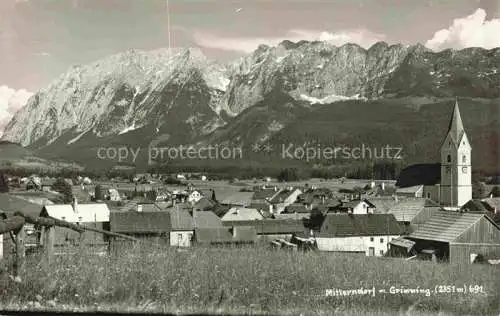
[(20, 251), (49, 243)]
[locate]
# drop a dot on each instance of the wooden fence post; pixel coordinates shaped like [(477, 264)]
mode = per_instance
[(49, 243), (82, 241), (20, 251), (1, 246)]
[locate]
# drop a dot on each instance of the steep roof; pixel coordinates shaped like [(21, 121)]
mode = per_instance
[(492, 203), (85, 213), (456, 127), (264, 194), (140, 222), (207, 219), (407, 210), (383, 204), (242, 214), (239, 198), (180, 220), (410, 190), (346, 225), (445, 226)]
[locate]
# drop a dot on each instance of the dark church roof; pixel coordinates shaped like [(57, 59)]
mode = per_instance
[(419, 174), (456, 127)]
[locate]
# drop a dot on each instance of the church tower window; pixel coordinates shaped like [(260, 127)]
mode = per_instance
[(464, 159), (448, 158)]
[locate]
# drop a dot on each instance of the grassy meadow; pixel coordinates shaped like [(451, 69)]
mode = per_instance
[(249, 280)]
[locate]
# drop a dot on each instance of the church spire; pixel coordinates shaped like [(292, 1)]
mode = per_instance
[(456, 127)]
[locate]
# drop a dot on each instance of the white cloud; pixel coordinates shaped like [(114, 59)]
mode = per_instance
[(10, 102), (470, 31), (363, 38)]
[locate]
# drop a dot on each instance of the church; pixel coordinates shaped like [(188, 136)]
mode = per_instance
[(449, 182)]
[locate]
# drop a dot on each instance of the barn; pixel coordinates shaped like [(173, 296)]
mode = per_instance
[(458, 237), (360, 233)]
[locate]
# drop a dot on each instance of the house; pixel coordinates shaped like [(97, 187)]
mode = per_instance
[(458, 237), (204, 204), (239, 199), (384, 203), (94, 215), (413, 191), (284, 198), (153, 226), (47, 184), (483, 207), (271, 229), (492, 204), (296, 208), (411, 213), (34, 183), (449, 182), (206, 219), (362, 233), (355, 207), (182, 228), (242, 214), (194, 196)]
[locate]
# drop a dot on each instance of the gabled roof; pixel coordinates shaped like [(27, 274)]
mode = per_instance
[(419, 174), (204, 203), (239, 198), (85, 213), (296, 216), (445, 226), (407, 210), (264, 194), (410, 190), (242, 214), (180, 220), (492, 203), (271, 226), (474, 206), (383, 204), (282, 195), (206, 219), (349, 225), (140, 222), (11, 204), (296, 208)]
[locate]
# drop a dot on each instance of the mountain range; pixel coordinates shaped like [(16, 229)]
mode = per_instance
[(305, 93)]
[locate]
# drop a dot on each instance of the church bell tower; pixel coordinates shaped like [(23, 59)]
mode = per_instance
[(456, 180)]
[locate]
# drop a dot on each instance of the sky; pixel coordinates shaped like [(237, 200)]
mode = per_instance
[(41, 39)]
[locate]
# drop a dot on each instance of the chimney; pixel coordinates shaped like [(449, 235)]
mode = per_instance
[(74, 204), (323, 199), (383, 186), (491, 195), (139, 207), (372, 184)]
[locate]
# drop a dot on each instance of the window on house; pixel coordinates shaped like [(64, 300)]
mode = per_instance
[(371, 239), (428, 195), (381, 240), (381, 252), (448, 158)]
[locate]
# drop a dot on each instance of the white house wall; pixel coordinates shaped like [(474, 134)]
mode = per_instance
[(355, 244), (183, 241)]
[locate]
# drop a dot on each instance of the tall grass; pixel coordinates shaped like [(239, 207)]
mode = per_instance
[(248, 279)]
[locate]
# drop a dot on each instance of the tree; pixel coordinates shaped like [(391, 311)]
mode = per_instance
[(478, 189), (4, 185), (98, 193), (65, 189), (495, 191)]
